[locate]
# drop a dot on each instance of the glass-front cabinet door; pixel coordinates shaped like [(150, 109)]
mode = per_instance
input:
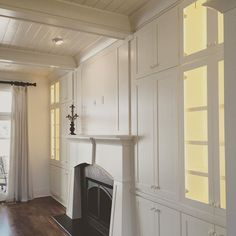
[(202, 29), (196, 134), (203, 133)]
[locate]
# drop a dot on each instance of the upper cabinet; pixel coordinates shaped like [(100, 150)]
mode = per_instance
[(156, 45), (202, 29)]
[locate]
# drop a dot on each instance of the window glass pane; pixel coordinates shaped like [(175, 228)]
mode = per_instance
[(220, 28), (52, 93), (5, 128), (5, 101), (52, 134), (195, 27), (197, 188), (195, 88), (196, 158), (57, 92), (196, 126), (221, 133), (196, 134)]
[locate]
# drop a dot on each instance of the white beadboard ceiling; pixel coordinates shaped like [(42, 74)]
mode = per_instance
[(125, 7), (38, 37)]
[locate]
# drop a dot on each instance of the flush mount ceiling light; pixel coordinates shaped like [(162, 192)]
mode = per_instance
[(58, 41)]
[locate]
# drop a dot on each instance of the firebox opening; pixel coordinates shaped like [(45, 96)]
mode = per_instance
[(97, 191)]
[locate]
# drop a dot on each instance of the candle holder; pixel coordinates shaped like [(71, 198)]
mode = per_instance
[(72, 118)]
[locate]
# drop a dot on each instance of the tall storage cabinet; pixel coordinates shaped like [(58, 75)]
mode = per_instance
[(157, 117), (178, 93), (59, 165)]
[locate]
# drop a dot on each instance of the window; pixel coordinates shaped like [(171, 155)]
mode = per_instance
[(55, 121), (5, 134)]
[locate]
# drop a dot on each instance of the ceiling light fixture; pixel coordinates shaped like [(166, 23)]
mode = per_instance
[(58, 41)]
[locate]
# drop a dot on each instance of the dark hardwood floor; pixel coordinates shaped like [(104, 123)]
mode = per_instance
[(31, 219)]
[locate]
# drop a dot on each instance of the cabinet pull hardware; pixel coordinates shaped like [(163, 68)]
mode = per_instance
[(211, 203), (157, 210), (154, 66), (211, 232)]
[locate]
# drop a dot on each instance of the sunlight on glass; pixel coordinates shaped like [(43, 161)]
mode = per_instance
[(5, 102)]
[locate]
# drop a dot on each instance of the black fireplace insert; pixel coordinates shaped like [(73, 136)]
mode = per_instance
[(97, 191)]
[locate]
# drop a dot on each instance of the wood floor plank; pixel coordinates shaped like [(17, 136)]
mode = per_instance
[(31, 219)]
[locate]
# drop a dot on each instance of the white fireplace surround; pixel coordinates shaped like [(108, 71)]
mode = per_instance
[(115, 155)]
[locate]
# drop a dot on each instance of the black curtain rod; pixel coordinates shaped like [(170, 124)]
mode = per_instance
[(18, 83)]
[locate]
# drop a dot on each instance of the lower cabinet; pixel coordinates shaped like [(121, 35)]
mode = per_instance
[(192, 226), (59, 183), (156, 220)]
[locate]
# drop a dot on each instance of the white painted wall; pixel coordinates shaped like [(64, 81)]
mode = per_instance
[(38, 118)]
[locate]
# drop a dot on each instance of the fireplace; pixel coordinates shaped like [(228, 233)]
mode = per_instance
[(97, 192), (100, 182)]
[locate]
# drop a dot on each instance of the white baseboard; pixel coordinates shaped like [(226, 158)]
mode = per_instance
[(41, 192)]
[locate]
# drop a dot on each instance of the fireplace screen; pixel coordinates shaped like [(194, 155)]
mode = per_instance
[(97, 199)]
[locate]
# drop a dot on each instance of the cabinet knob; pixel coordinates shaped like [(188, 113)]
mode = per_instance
[(211, 233), (154, 66), (157, 210)]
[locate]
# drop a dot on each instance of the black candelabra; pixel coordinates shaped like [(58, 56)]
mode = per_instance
[(72, 118)]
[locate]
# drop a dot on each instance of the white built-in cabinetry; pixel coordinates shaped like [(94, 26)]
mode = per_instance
[(178, 117), (155, 219), (156, 44), (156, 163), (59, 168), (195, 227)]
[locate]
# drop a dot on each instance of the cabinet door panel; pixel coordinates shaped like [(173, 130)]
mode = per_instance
[(167, 40), (167, 217), (168, 133), (220, 231), (145, 39), (66, 88), (194, 227), (146, 219), (145, 147)]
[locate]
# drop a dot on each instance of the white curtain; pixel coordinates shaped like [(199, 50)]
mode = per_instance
[(19, 179)]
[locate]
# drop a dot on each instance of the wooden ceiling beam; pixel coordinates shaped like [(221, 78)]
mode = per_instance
[(38, 59)]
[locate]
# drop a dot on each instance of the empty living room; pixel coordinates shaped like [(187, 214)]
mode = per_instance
[(117, 117)]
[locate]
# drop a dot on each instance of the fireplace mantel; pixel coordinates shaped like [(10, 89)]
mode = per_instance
[(115, 155)]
